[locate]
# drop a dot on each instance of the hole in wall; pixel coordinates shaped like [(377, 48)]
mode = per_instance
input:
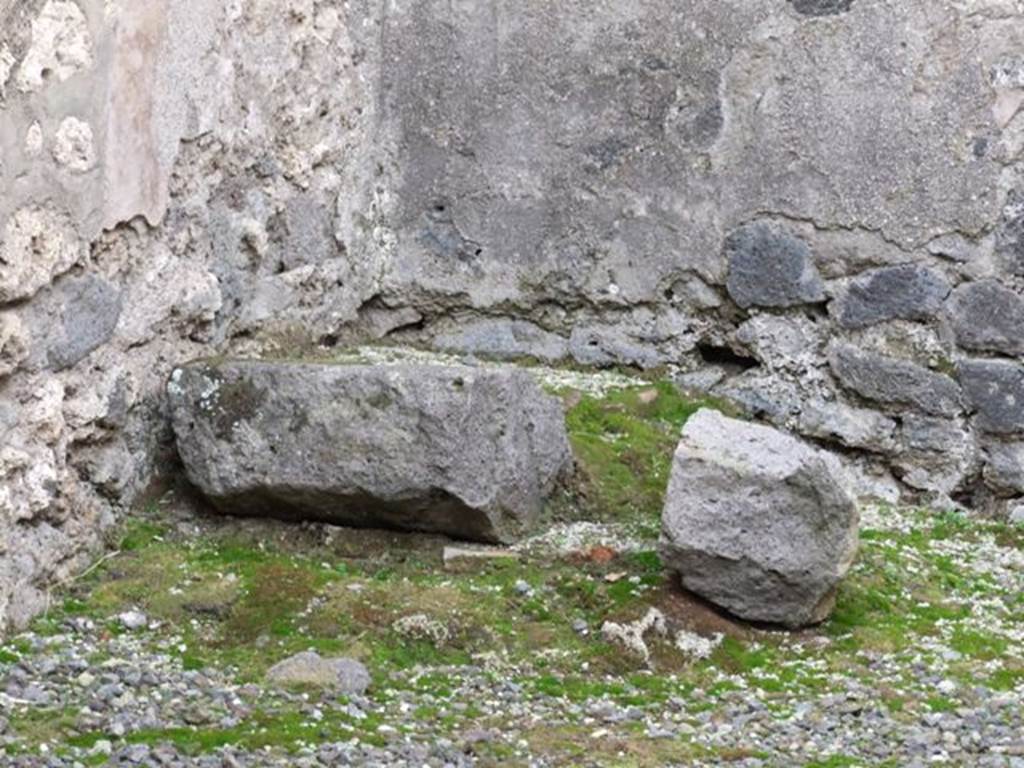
[(724, 357)]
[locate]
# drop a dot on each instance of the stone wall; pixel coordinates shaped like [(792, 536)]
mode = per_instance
[(813, 207)]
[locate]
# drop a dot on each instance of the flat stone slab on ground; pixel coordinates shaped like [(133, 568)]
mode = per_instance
[(309, 668), (757, 522), (457, 555), (467, 452)]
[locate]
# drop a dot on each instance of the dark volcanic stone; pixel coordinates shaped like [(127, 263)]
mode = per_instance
[(907, 292), (822, 7), (771, 267), (894, 382), (995, 389), (988, 317)]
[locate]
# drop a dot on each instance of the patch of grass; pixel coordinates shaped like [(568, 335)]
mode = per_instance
[(572, 745), (940, 704), (276, 594), (140, 533), (624, 445), (43, 725), (835, 761), (1006, 679)]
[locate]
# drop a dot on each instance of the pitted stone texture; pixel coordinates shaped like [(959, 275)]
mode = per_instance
[(463, 451), (771, 267), (764, 395), (640, 337), (7, 62), (34, 140), (995, 390), (73, 145), (786, 344), (894, 382), (61, 46), (935, 454), (14, 343), (1010, 241), (37, 246), (757, 522), (907, 292), (853, 427), (1004, 470), (302, 234), (988, 318)]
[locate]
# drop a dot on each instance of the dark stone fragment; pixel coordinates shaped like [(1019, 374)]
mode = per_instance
[(995, 389), (906, 292), (78, 316), (988, 317), (894, 382), (822, 7), (771, 267)]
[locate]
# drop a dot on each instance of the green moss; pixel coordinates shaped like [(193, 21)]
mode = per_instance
[(624, 445), (1006, 679), (43, 725), (140, 533), (239, 601), (835, 761), (940, 704), (276, 594)]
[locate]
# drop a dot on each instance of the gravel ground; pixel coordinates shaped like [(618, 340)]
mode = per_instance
[(574, 648), (117, 691)]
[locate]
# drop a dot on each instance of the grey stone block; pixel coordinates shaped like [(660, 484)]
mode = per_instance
[(995, 389), (906, 292), (757, 522), (78, 315), (771, 267), (468, 452), (1004, 468), (988, 318), (894, 382)]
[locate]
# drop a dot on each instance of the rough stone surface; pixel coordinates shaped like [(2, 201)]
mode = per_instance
[(908, 292), (37, 246), (995, 389), (821, 7), (934, 454), (988, 318), (73, 145), (467, 452), (540, 179), (895, 382), (74, 318), (757, 522), (1016, 513), (852, 427), (14, 343), (1004, 470), (504, 339), (770, 267), (345, 676), (60, 47)]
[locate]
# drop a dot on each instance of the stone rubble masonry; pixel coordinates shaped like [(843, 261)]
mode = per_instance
[(746, 196)]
